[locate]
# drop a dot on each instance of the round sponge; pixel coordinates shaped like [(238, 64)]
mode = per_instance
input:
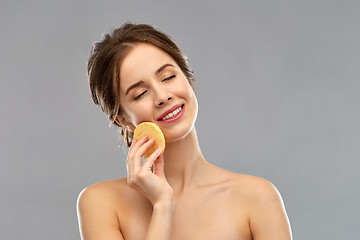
[(152, 131)]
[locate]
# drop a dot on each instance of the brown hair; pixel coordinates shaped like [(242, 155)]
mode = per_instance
[(106, 56)]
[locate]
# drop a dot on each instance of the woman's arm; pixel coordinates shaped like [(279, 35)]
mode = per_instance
[(153, 186), (161, 220), (97, 219), (268, 218)]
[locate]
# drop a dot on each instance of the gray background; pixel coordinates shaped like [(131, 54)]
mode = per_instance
[(278, 98)]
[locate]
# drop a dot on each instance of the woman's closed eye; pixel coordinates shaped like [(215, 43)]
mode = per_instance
[(140, 95), (168, 78)]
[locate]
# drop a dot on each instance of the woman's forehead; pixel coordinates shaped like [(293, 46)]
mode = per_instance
[(142, 60)]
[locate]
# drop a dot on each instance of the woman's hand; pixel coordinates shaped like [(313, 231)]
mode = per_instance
[(153, 185)]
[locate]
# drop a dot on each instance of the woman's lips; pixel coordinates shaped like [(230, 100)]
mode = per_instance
[(170, 111), (173, 119)]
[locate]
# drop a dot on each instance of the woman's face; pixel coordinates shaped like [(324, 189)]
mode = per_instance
[(152, 86)]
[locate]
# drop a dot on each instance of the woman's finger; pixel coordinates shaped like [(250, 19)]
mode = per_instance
[(138, 143), (130, 158), (151, 159), (132, 144), (140, 152)]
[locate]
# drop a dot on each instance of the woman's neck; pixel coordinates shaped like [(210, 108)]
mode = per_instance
[(185, 165)]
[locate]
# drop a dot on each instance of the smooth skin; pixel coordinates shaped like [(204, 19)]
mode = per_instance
[(185, 197)]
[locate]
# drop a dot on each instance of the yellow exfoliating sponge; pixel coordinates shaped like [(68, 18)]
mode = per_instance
[(152, 131)]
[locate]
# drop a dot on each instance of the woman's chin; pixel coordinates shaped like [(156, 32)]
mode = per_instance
[(178, 134)]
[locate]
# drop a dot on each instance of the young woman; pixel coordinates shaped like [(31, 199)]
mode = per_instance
[(138, 74)]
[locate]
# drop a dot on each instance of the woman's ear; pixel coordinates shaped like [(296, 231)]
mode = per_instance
[(122, 121)]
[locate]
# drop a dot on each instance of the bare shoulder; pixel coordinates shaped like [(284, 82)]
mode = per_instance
[(104, 187), (99, 207), (245, 186), (113, 194), (265, 207), (253, 187), (96, 215), (255, 192), (103, 191)]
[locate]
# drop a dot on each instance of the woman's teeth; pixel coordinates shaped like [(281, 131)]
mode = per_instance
[(172, 114)]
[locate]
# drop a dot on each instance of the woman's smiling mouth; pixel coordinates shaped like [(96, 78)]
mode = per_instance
[(173, 115)]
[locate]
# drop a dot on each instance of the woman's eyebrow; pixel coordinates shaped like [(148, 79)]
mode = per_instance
[(163, 67), (134, 86), (142, 82)]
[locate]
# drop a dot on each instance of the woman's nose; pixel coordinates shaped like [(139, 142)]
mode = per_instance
[(162, 101), (162, 95)]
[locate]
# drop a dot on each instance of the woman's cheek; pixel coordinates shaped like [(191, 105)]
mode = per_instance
[(142, 115), (189, 92)]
